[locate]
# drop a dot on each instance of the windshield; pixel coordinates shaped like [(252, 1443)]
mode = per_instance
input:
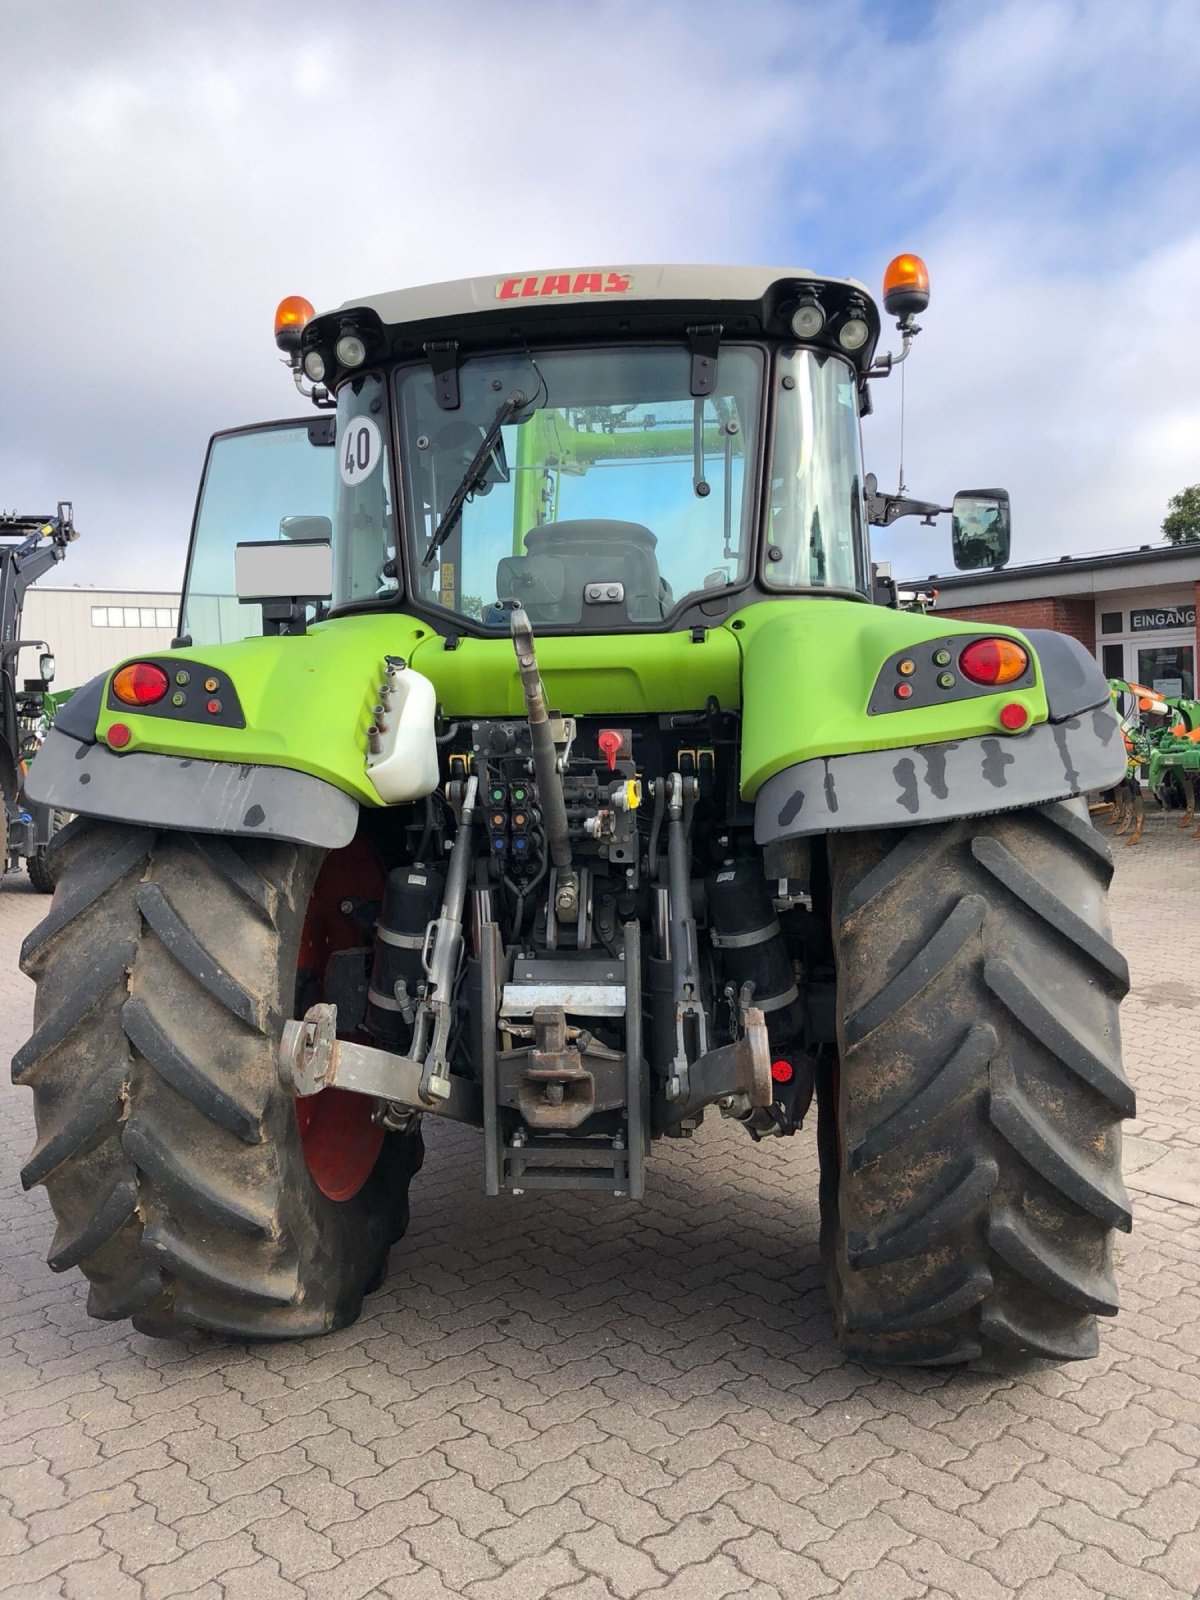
[(816, 533), (265, 483), (611, 492)]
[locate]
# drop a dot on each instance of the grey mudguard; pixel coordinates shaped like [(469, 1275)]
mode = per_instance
[(1074, 682), (191, 796), (935, 782)]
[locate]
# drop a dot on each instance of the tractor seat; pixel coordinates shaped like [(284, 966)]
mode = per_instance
[(561, 558)]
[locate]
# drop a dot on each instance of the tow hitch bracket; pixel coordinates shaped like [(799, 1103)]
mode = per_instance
[(313, 1058)]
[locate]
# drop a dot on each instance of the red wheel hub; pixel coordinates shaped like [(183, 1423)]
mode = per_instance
[(341, 1141)]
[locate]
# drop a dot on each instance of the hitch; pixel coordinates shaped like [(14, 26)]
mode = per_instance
[(737, 1077), (313, 1058)]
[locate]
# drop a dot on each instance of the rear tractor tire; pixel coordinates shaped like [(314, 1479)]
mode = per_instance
[(41, 864), (169, 1146), (971, 1134)]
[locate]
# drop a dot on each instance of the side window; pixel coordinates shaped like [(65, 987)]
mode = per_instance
[(818, 534), (259, 483), (364, 527)]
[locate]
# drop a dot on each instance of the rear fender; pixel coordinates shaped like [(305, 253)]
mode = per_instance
[(1078, 748), (189, 794)]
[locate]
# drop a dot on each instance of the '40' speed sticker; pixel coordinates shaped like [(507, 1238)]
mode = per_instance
[(359, 450)]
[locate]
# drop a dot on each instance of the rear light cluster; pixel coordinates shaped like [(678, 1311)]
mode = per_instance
[(140, 684), (993, 661), (990, 663)]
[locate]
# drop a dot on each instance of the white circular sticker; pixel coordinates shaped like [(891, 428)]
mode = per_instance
[(359, 450)]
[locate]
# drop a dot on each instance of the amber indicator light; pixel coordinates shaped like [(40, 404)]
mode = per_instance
[(906, 668), (211, 685)]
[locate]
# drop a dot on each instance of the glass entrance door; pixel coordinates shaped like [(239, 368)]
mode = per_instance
[(1168, 669)]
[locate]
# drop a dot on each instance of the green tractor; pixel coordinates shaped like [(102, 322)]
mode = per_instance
[(542, 750)]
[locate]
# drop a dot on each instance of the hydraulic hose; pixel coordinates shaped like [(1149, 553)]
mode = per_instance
[(545, 764)]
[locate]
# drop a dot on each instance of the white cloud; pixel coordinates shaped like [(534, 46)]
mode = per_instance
[(172, 173)]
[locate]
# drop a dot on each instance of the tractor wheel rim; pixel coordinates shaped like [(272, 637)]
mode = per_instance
[(340, 1139), (339, 1135)]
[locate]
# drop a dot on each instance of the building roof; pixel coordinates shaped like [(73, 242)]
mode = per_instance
[(1149, 566)]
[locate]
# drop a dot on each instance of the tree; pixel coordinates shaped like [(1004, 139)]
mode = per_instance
[(1181, 525)]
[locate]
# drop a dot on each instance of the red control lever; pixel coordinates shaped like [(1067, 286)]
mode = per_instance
[(610, 742)]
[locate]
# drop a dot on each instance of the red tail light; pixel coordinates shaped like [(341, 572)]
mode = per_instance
[(140, 684), (993, 661)]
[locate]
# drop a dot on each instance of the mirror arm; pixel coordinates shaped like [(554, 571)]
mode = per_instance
[(884, 509)]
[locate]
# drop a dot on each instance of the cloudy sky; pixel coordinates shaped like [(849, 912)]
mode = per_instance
[(168, 172)]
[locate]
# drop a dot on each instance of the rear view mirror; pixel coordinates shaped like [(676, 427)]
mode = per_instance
[(305, 529), (981, 531), (287, 569)]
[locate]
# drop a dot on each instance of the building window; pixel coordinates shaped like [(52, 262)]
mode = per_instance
[(135, 617), (1112, 622), (1113, 659)]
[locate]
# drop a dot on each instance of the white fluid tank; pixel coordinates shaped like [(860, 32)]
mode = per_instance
[(406, 765)]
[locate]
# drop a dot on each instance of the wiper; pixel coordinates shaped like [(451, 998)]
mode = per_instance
[(509, 406)]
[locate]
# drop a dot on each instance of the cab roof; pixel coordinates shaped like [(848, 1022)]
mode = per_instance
[(610, 285)]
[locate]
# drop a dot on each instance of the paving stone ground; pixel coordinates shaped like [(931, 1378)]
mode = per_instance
[(588, 1401)]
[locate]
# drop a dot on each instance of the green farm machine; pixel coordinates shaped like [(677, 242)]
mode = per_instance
[(541, 749), (29, 547)]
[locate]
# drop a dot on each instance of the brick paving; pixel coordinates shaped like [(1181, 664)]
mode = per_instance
[(588, 1401)]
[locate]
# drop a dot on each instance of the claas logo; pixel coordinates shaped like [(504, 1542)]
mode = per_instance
[(551, 285)]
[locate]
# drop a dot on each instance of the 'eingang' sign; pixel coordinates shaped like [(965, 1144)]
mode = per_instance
[(1153, 618)]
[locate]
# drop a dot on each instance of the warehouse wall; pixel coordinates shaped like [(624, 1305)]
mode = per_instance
[(89, 630)]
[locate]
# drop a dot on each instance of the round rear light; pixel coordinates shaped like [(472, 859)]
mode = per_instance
[(1013, 716), (118, 736), (782, 1071), (993, 661), (140, 684)]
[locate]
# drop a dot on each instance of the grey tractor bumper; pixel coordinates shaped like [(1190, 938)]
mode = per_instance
[(936, 782), (193, 796)]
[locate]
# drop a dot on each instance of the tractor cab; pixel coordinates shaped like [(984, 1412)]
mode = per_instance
[(636, 451)]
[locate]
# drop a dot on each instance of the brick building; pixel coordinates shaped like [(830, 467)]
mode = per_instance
[(1135, 610)]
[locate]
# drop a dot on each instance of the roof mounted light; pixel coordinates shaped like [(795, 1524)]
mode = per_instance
[(291, 317), (905, 286), (350, 350), (808, 318), (855, 329), (314, 365)]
